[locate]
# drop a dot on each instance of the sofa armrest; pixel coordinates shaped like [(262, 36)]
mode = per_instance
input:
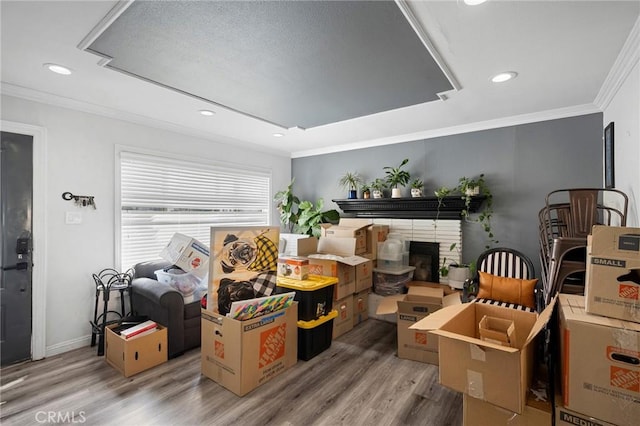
[(164, 305)]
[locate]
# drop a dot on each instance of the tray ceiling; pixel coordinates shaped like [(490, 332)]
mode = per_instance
[(294, 64)]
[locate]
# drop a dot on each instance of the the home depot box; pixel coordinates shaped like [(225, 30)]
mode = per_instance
[(360, 307), (187, 253), (242, 355), (341, 231), (497, 374), (613, 273), (344, 321), (410, 308), (131, 356), (342, 267), (600, 363), (480, 413), (567, 417)]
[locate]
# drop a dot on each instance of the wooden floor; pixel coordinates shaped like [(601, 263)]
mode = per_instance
[(357, 381)]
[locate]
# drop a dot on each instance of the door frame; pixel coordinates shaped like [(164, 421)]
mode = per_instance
[(39, 232)]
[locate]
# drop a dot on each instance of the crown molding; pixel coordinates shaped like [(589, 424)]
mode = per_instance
[(627, 59), (515, 120), (64, 102)]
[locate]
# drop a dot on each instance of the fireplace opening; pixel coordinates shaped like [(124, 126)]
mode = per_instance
[(425, 257)]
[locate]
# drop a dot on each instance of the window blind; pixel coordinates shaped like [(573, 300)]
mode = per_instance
[(160, 196)]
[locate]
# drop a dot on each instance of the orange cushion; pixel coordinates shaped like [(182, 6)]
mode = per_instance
[(510, 290)]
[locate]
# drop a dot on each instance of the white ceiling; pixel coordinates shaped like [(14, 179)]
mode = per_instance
[(562, 50)]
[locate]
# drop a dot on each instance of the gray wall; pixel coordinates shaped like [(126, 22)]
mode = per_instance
[(521, 165)]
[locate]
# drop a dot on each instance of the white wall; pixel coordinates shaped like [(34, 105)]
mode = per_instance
[(81, 159), (624, 111)]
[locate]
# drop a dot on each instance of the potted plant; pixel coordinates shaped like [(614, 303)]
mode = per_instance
[(350, 181), (310, 217), (377, 187), (397, 177), (470, 187), (366, 191), (416, 188), (287, 205), (457, 272)]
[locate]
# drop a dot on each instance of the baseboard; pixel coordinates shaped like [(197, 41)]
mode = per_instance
[(68, 345)]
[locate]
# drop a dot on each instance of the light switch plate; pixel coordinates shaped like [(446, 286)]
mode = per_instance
[(73, 218)]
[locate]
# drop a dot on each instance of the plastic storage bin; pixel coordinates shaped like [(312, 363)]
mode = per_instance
[(315, 336), (392, 281), (185, 282), (314, 295), (392, 254)]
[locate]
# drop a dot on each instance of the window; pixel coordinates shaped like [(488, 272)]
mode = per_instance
[(160, 196)]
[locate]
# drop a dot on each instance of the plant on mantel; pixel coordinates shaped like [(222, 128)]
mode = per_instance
[(378, 186), (468, 188), (397, 177), (351, 181)]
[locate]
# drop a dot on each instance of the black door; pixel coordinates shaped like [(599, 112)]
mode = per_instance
[(16, 199)]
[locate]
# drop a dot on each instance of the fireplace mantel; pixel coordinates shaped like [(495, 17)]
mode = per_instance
[(408, 208)]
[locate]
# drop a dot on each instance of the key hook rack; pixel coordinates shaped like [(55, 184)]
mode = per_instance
[(80, 200)]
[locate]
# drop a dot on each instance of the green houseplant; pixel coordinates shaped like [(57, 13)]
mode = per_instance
[(366, 190), (351, 181), (302, 217), (378, 186), (416, 188), (397, 177)]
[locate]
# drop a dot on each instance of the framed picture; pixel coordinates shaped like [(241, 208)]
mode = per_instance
[(609, 174)]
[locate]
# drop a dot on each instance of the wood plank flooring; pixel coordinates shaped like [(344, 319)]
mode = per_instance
[(359, 380)]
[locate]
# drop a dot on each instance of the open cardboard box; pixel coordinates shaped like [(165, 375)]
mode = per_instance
[(353, 272), (411, 308), (497, 374)]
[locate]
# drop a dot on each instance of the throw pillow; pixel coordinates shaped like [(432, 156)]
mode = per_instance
[(510, 290)]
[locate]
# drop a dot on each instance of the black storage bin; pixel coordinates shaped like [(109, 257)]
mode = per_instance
[(315, 336), (314, 295)]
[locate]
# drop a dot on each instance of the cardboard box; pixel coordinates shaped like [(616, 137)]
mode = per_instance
[(497, 330), (242, 355), (360, 307), (567, 417), (375, 234), (374, 301), (343, 268), (613, 273), (136, 354), (411, 308), (188, 254), (497, 374), (476, 412), (359, 234), (293, 267), (364, 276), (344, 321), (298, 244), (600, 359)]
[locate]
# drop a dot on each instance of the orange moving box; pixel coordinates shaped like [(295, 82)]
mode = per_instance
[(600, 363), (242, 355)]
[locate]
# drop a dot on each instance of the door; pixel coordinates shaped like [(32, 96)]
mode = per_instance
[(16, 200)]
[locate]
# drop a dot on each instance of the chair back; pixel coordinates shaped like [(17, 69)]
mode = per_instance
[(506, 262)]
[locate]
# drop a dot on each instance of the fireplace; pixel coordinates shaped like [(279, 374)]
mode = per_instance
[(425, 257)]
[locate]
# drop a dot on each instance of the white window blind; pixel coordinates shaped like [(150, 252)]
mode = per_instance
[(160, 196)]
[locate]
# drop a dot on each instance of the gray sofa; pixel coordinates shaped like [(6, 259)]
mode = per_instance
[(165, 305)]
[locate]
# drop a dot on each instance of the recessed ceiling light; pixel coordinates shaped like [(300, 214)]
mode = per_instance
[(278, 135), (206, 112), (474, 2), (58, 69), (504, 76)]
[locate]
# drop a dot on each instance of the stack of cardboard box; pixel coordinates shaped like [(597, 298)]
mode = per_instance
[(600, 334)]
